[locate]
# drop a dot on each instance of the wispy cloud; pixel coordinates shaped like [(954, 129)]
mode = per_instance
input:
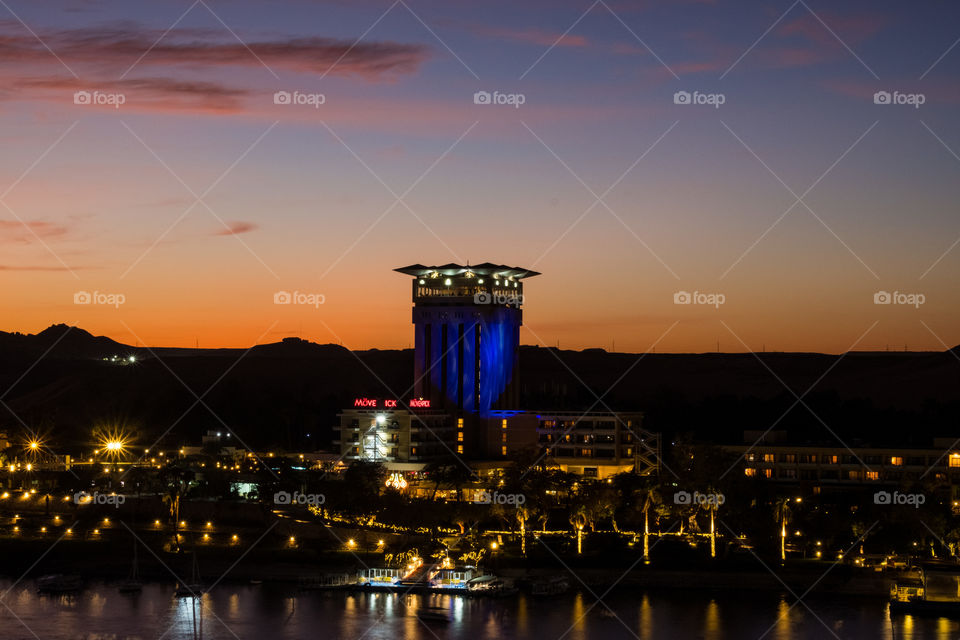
[(10, 267), (12, 231), (182, 70), (533, 35), (236, 228), (118, 47)]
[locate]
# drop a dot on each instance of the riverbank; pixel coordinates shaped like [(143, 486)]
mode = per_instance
[(105, 560)]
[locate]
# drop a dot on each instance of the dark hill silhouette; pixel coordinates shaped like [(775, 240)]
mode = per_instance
[(287, 394)]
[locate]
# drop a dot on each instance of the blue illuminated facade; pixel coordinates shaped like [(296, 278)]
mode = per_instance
[(467, 333)]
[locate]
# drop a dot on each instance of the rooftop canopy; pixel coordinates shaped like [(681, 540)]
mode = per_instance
[(484, 269)]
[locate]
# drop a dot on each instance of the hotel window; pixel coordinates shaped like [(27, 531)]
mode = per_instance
[(954, 460), (459, 423), (768, 473), (459, 436), (749, 457), (459, 448), (503, 450), (413, 451), (768, 457), (896, 461), (833, 459), (503, 437), (788, 457), (586, 453), (873, 475), (503, 423), (749, 472)]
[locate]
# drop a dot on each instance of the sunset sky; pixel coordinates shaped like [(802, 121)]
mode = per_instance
[(198, 198)]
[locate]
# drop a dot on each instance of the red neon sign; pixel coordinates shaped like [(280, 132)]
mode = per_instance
[(389, 403)]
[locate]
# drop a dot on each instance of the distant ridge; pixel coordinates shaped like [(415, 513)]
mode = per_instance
[(287, 394)]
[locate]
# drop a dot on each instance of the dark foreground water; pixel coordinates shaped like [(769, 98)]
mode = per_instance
[(262, 613)]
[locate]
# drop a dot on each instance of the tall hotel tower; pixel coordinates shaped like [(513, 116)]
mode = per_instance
[(467, 323)]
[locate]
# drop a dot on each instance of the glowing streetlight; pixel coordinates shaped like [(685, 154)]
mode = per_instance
[(112, 443)]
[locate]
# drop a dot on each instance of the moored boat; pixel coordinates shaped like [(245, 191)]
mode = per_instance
[(59, 583), (490, 585), (433, 615), (132, 584), (910, 594), (550, 586)]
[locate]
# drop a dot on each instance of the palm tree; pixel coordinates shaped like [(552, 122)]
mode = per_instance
[(781, 511), (650, 497), (715, 499), (578, 518), (523, 514)]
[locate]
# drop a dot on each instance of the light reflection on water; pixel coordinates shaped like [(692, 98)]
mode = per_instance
[(100, 612)]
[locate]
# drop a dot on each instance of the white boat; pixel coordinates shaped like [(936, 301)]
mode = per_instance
[(490, 585)]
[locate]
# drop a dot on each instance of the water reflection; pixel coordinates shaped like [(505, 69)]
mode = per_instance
[(646, 619), (269, 611), (782, 626), (579, 614), (712, 628)]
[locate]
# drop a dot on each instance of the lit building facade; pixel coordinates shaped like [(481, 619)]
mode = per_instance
[(467, 335), (822, 467), (598, 444), (379, 430), (467, 323)]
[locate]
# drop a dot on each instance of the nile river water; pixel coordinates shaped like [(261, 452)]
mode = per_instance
[(244, 612)]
